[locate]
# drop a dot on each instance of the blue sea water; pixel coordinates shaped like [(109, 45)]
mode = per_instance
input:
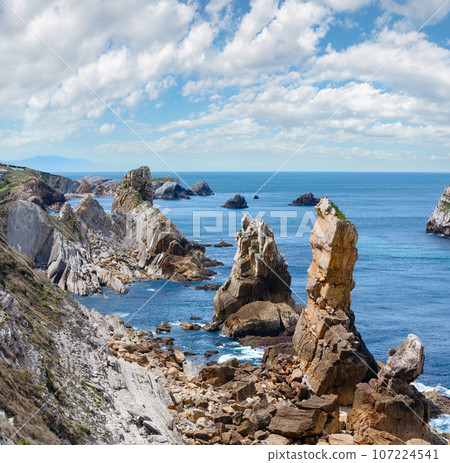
[(402, 275)]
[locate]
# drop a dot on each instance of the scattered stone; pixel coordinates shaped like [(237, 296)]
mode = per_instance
[(211, 326), (163, 327), (208, 287), (290, 422)]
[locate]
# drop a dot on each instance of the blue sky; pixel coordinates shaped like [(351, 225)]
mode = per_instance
[(227, 84)]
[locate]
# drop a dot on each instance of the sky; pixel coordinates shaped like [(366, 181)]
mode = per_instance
[(226, 85)]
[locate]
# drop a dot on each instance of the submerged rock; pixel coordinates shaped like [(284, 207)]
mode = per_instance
[(439, 222), (258, 274), (236, 202), (200, 188), (332, 353), (306, 199)]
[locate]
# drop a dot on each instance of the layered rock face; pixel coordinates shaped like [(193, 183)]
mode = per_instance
[(135, 188), (439, 222), (67, 263), (333, 355), (259, 273), (59, 381), (388, 410)]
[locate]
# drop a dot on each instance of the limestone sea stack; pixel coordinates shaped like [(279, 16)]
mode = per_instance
[(200, 188), (439, 222), (171, 190), (332, 354), (136, 187), (236, 202), (306, 199), (260, 273)]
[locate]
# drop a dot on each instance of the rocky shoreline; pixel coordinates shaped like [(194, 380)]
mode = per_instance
[(91, 379)]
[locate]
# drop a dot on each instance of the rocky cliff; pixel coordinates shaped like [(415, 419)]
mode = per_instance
[(388, 409), (136, 187), (60, 383), (259, 274), (85, 249), (439, 222), (332, 353)]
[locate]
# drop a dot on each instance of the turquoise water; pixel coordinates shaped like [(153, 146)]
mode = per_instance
[(402, 274)]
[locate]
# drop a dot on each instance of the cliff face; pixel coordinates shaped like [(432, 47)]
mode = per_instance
[(135, 188), (439, 222), (332, 354), (259, 273), (85, 249), (59, 381)]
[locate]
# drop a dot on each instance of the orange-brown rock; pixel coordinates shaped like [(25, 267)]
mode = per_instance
[(388, 410), (259, 273), (332, 353)]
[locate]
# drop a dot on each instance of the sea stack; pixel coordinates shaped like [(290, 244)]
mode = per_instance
[(260, 274), (439, 222), (136, 188), (200, 188), (236, 202), (332, 354), (306, 199)]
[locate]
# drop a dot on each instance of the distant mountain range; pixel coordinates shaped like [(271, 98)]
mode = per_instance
[(58, 164)]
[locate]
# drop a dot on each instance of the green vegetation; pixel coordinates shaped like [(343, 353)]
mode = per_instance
[(339, 214), (444, 204), (166, 178)]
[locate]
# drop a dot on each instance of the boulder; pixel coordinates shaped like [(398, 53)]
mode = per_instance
[(292, 422), (259, 273), (171, 190), (306, 199), (332, 353), (236, 202), (388, 410), (439, 222), (188, 326), (217, 375), (260, 319), (200, 188), (136, 187), (272, 352), (406, 362), (211, 326)]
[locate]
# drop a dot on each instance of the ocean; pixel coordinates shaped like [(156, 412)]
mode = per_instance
[(402, 275)]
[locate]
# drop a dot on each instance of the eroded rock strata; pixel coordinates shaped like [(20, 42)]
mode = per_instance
[(332, 353), (259, 274), (85, 249), (59, 382), (439, 222)]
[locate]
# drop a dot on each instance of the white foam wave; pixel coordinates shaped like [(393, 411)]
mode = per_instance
[(245, 353), (441, 423), (122, 314), (152, 290), (424, 388)]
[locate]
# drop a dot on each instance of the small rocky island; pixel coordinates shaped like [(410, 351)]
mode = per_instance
[(306, 199), (236, 202), (439, 222)]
